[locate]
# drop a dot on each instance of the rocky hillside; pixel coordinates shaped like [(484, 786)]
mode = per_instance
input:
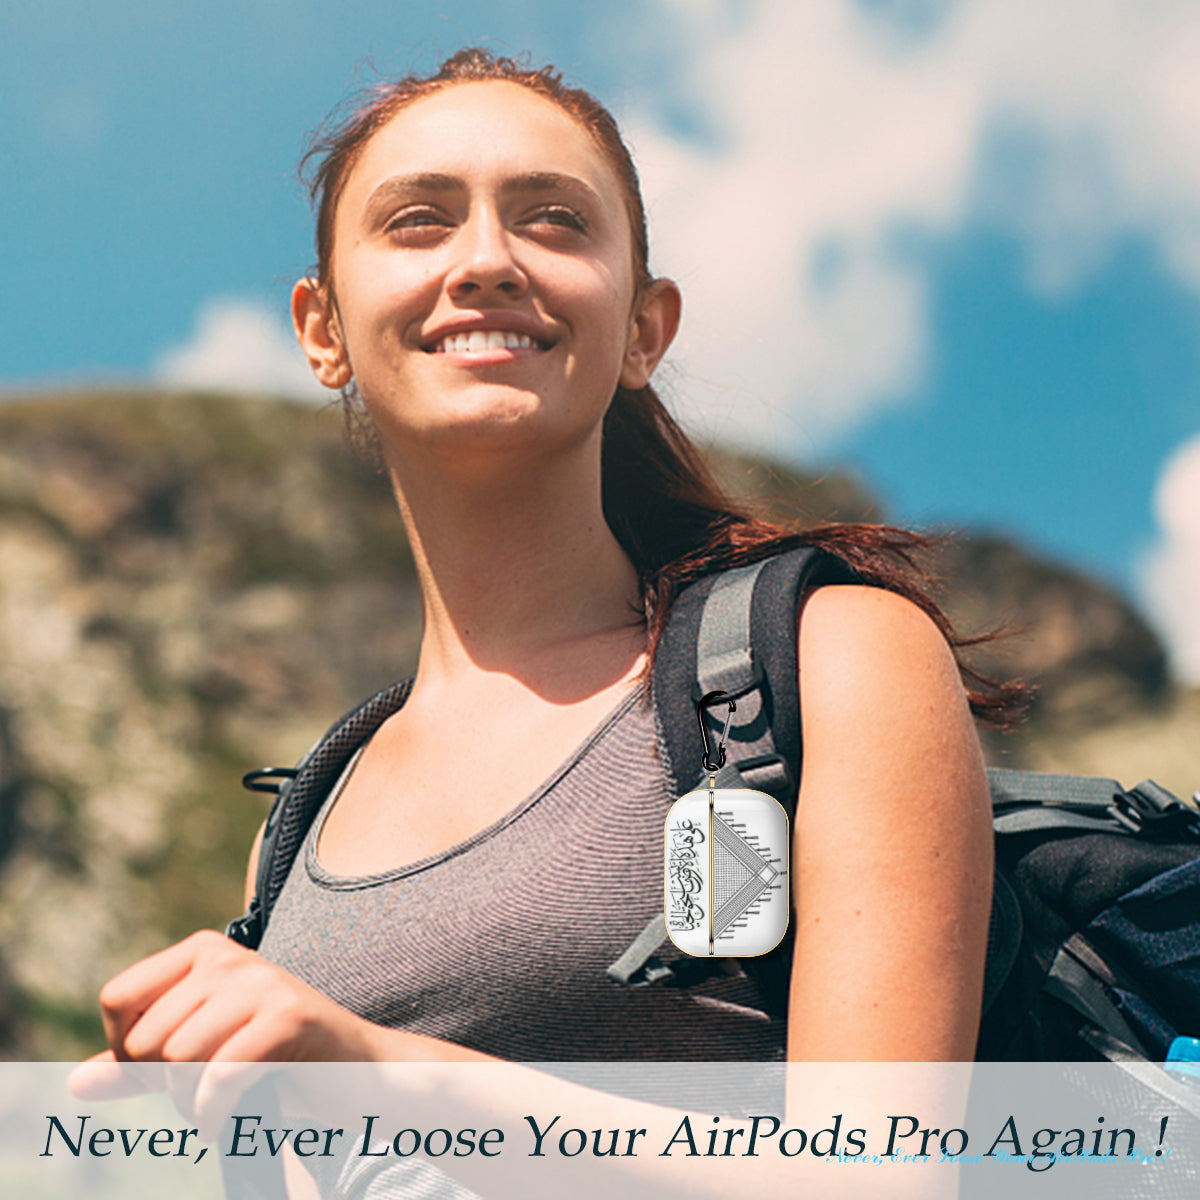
[(191, 586)]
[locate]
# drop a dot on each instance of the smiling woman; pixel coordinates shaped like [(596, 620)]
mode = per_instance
[(483, 286), (450, 233)]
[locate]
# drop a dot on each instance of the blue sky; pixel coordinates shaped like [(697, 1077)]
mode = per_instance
[(956, 245)]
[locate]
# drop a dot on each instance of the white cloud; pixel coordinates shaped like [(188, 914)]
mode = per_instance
[(1069, 124), (1172, 570), (240, 346)]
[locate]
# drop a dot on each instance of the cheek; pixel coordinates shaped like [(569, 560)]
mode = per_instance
[(606, 299), (379, 304)]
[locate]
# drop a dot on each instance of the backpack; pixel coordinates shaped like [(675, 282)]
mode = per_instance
[(1094, 943)]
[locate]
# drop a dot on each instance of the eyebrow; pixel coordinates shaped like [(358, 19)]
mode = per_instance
[(550, 181), (433, 181)]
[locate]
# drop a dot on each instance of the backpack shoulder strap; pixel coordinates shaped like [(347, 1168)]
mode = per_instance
[(735, 631), (300, 798), (1032, 801)]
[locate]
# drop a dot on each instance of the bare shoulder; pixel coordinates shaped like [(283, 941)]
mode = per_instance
[(857, 635), (850, 603), (880, 688)]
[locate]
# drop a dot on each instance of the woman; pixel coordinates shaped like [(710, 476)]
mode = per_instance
[(483, 286)]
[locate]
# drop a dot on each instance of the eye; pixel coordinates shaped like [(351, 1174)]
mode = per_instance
[(416, 224), (560, 216)]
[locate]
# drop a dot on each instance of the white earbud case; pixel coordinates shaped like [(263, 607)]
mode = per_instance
[(726, 873)]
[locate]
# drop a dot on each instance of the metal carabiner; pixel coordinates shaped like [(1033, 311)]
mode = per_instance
[(701, 705)]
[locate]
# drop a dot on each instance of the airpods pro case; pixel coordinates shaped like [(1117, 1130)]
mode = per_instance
[(726, 873)]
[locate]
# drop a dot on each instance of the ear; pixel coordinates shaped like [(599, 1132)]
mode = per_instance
[(650, 333), (315, 321)]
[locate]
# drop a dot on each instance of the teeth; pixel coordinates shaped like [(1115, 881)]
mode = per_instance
[(479, 341)]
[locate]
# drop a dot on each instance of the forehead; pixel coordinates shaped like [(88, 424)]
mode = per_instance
[(475, 130)]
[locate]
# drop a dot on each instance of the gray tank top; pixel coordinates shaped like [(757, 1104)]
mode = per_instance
[(500, 943)]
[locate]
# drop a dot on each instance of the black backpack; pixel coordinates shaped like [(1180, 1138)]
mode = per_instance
[(1094, 945)]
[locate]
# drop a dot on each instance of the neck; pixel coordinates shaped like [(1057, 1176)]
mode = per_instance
[(517, 567)]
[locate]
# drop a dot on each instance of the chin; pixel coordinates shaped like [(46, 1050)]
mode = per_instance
[(498, 422), (498, 431)]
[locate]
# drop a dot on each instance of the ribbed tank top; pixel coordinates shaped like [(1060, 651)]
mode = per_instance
[(500, 943)]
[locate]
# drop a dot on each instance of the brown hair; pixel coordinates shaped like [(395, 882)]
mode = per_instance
[(660, 498)]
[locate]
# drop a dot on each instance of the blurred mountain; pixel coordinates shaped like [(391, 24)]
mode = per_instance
[(193, 586), (1090, 654)]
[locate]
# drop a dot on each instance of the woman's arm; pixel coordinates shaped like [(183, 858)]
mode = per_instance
[(892, 839)]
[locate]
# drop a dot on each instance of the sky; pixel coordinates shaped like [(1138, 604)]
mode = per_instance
[(951, 244)]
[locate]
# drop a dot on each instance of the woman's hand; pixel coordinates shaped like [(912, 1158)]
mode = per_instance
[(202, 1018), (207, 999)]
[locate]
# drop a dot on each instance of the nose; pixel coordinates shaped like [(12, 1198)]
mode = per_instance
[(486, 262)]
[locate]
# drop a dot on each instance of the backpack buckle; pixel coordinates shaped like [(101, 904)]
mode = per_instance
[(767, 773), (1152, 808), (247, 930)]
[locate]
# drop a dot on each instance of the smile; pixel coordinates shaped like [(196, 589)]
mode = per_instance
[(481, 341)]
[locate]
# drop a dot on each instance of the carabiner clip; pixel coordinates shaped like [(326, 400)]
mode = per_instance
[(711, 764)]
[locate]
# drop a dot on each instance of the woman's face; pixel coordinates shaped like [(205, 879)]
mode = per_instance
[(483, 278)]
